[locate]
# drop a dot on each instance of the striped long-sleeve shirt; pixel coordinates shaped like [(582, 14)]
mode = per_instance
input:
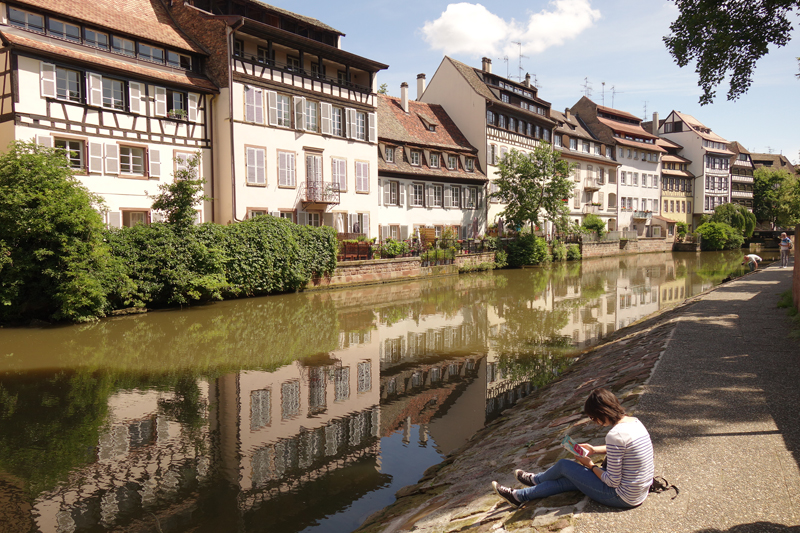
[(629, 454)]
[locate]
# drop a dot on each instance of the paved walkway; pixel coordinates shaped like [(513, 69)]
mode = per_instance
[(723, 409)]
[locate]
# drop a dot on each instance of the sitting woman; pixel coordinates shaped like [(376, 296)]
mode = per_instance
[(629, 453)]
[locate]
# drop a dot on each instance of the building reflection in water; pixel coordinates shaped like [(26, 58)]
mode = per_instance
[(284, 447)]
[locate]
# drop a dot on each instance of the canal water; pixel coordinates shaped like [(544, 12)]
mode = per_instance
[(296, 413)]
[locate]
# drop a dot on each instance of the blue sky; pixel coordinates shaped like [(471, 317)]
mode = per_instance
[(618, 42)]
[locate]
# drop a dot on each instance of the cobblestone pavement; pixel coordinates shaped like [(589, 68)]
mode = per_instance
[(713, 379)]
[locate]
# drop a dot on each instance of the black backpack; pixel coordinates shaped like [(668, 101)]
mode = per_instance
[(658, 485)]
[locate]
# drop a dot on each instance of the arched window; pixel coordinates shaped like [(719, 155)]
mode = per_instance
[(612, 200)]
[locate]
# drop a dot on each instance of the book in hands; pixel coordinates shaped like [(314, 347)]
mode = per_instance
[(568, 443)]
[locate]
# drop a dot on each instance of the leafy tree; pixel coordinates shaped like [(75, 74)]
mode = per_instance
[(776, 196), (682, 229), (384, 89), (54, 263), (533, 187), (179, 198), (726, 38), (737, 216), (720, 236), (528, 249), (594, 223)]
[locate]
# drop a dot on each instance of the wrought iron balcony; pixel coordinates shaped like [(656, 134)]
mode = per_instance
[(591, 209), (643, 215), (742, 194), (591, 184), (320, 192)]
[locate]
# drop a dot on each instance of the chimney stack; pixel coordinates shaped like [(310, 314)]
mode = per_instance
[(655, 123), (420, 85), (567, 113), (486, 65), (404, 96), (527, 80)]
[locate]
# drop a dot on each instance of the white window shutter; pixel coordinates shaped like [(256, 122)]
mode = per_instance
[(272, 99), (115, 219), (161, 102), (259, 106), (302, 218), (261, 177), (326, 110), (299, 113), (373, 127), (350, 115), (351, 220), (96, 157), (401, 201), (249, 104), (600, 199), (282, 169), (448, 197), (48, 79), (192, 107), (44, 140), (403, 233), (251, 165), (155, 163), (135, 97), (387, 193), (385, 232), (365, 225), (95, 86), (112, 159)]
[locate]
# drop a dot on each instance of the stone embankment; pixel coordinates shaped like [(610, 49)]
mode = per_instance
[(456, 495)]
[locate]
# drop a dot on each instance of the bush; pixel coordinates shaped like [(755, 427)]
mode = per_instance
[(500, 259), (54, 263), (528, 249), (594, 223), (573, 252), (559, 251), (682, 229), (392, 248), (719, 236), (475, 267)]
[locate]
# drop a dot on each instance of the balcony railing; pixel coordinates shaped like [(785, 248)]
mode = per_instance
[(320, 192), (742, 179), (742, 194), (301, 72), (591, 184), (643, 215), (591, 209)]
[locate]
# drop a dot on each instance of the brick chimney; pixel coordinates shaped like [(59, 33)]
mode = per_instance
[(567, 113), (655, 123), (527, 80), (420, 85), (404, 96), (486, 65)]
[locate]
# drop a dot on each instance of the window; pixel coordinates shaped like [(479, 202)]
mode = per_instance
[(655, 181), (113, 94), (361, 126), (131, 160), (176, 101), (362, 176), (470, 163), (504, 98), (644, 180), (415, 158), (122, 46), (74, 150), (151, 53), (284, 111), (417, 195), (557, 140), (629, 153), (64, 30), (490, 117), (389, 154), (314, 168), (436, 196), (286, 169), (339, 173), (573, 144), (255, 166), (451, 162), (512, 124), (264, 56), (585, 147), (472, 198), (311, 116), (392, 193), (502, 121), (293, 63), (635, 179), (529, 130), (177, 60), (434, 160), (68, 84), (597, 149), (622, 177), (546, 134), (97, 39), (455, 196), (608, 152), (132, 218), (23, 19), (238, 48), (336, 121), (666, 204)]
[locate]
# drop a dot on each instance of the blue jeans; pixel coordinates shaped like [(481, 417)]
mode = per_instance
[(568, 475)]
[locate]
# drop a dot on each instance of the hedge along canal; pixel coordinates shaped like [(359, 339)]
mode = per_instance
[(304, 411)]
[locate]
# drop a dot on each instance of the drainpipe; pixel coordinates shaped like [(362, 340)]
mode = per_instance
[(233, 28), (210, 133)]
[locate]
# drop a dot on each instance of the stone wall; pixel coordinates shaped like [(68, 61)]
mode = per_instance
[(474, 259), (686, 247), (640, 246)]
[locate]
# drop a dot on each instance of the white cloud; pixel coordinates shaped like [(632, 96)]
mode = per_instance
[(473, 30)]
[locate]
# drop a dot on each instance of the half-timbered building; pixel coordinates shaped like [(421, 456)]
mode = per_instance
[(122, 92)]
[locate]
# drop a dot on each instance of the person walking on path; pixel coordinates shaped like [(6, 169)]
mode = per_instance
[(786, 246), (752, 261), (629, 453)]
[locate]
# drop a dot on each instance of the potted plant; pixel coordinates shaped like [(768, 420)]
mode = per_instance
[(179, 114)]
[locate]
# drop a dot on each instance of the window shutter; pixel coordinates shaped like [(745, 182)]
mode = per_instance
[(114, 219), (282, 169), (272, 101), (351, 220), (302, 218), (428, 195), (261, 177), (48, 79), (402, 192), (403, 233), (259, 106), (373, 127), (251, 165), (387, 193), (135, 97), (112, 159), (290, 165), (365, 225), (161, 102), (351, 122), (249, 104), (192, 107), (276, 214), (44, 140), (479, 199), (385, 232), (96, 157), (326, 110), (155, 163), (448, 197), (299, 113), (95, 89), (600, 199), (465, 200)]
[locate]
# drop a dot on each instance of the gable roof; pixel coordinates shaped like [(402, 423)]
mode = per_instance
[(146, 19), (395, 125), (699, 128), (302, 18)]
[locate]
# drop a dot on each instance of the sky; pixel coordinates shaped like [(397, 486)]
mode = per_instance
[(614, 46)]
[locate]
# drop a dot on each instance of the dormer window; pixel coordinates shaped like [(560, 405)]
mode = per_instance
[(389, 154), (451, 162), (63, 30), (573, 144), (470, 164), (151, 53), (504, 98), (177, 60), (415, 158), (96, 39), (431, 127), (434, 160), (122, 46), (25, 20)]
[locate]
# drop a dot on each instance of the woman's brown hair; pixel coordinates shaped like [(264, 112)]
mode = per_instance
[(603, 406)]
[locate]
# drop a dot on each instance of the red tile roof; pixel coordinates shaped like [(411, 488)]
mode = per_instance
[(146, 19), (101, 59), (395, 125), (631, 129), (637, 144), (612, 111)]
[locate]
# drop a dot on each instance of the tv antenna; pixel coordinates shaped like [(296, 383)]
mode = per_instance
[(603, 93), (519, 43), (535, 82), (613, 93), (645, 110), (587, 87), (770, 150), (505, 58)]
